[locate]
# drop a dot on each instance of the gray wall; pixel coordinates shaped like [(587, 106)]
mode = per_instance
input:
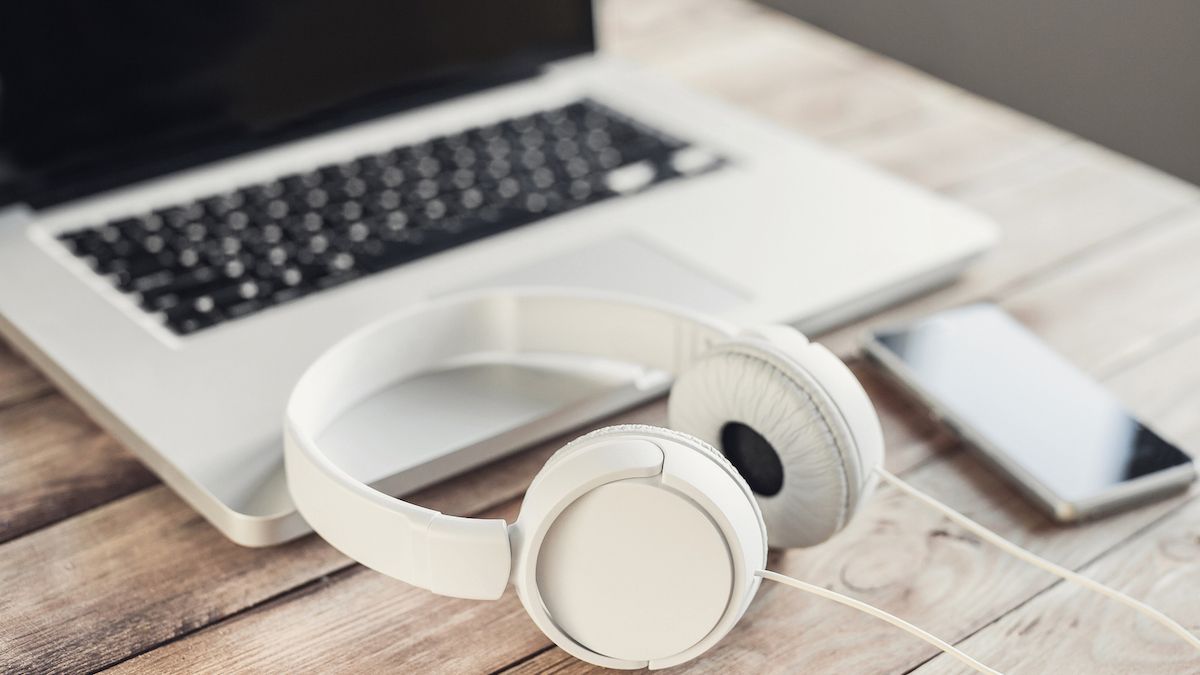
[(1123, 73)]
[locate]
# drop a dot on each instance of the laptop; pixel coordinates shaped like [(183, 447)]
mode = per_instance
[(198, 198)]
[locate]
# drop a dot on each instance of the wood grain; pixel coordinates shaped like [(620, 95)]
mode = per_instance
[(1122, 301), (390, 626), (55, 463), (19, 381), (128, 576), (1168, 400), (1065, 630)]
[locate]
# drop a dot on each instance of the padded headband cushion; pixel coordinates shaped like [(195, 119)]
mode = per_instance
[(753, 384)]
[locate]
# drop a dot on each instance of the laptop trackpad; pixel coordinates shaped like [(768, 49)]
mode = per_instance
[(625, 264), (419, 431)]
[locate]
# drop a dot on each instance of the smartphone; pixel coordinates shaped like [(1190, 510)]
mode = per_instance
[(1061, 437)]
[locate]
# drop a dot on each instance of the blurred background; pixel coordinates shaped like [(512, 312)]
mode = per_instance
[(1123, 74)]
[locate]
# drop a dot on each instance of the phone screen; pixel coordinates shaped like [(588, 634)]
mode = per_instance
[(991, 374)]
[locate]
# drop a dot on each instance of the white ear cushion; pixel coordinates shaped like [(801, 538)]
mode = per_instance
[(740, 382)]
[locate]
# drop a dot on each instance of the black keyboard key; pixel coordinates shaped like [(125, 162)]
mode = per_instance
[(186, 322), (181, 286), (233, 254), (153, 281)]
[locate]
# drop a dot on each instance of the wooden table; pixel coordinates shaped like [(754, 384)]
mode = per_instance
[(103, 567)]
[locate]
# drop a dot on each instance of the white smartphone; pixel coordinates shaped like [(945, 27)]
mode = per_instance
[(1061, 437)]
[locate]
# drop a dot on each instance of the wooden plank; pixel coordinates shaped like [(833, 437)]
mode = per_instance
[(341, 624), (939, 147), (128, 576), (1067, 201), (1067, 630), (54, 463), (1135, 295), (1167, 402), (19, 381), (553, 660)]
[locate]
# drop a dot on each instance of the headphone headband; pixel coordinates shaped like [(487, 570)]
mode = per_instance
[(451, 555)]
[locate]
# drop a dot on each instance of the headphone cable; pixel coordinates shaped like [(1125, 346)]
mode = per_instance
[(1038, 561), (879, 614)]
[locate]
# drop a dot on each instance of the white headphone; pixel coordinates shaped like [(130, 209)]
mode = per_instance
[(635, 546)]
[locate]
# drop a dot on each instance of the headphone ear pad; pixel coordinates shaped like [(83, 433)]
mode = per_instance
[(782, 430)]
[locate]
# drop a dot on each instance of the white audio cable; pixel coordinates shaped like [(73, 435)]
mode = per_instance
[(879, 614), (1037, 561)]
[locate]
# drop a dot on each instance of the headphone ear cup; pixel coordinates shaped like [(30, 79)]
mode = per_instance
[(637, 546), (785, 431)]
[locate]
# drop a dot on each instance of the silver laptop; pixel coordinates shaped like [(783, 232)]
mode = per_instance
[(194, 203)]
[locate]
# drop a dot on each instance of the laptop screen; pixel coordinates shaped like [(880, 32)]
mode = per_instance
[(99, 93)]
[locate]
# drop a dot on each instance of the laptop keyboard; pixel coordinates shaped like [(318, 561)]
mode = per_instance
[(230, 255)]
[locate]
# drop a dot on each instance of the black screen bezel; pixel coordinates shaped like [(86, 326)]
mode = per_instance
[(58, 184)]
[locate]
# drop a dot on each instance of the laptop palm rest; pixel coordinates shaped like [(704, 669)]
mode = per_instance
[(422, 430), (442, 423)]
